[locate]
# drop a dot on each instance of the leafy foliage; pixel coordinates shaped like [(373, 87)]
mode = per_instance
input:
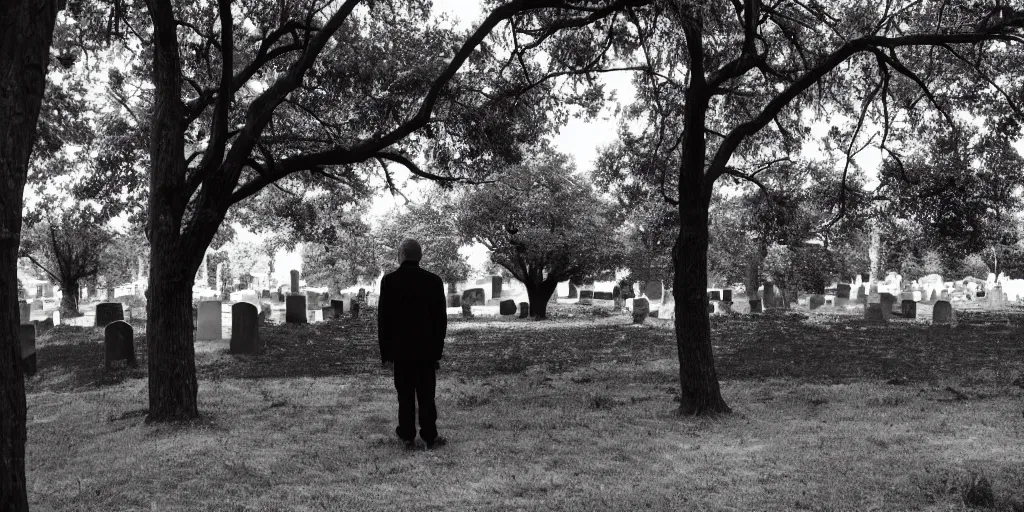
[(543, 223)]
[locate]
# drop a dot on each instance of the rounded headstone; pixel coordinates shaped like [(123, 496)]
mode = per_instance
[(507, 307), (208, 320), (942, 313), (107, 312), (245, 334), (467, 310), (454, 300), (119, 343), (908, 308)]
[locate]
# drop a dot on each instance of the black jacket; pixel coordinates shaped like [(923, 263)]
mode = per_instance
[(411, 316)]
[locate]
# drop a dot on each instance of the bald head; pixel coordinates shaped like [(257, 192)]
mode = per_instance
[(409, 250)]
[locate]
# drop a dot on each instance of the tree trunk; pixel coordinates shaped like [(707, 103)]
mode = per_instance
[(173, 387), (26, 30), (539, 294), (700, 393), (873, 253), (69, 300)]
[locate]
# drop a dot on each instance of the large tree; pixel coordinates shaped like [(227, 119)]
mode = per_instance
[(544, 225), (248, 93), (26, 29), (727, 86)]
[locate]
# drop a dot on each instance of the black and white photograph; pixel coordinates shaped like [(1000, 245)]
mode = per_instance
[(511, 255)]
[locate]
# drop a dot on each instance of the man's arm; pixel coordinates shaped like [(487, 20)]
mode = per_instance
[(384, 322), (439, 306)]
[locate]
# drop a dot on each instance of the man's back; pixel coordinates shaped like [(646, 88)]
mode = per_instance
[(412, 320)]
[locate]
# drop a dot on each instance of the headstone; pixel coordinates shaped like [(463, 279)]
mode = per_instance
[(641, 307), (815, 301), (714, 294), (755, 306), (496, 287), (727, 295), (25, 310), (572, 291), (27, 335), (603, 295), (265, 294), (467, 310), (327, 312), (107, 312), (362, 294), (654, 290), (295, 309), (507, 307), (887, 302), (208, 321), (37, 305), (586, 297), (312, 300), (294, 274), (473, 297), (245, 329), (942, 314), (616, 292), (454, 300), (119, 343), (524, 309), (339, 308), (355, 308), (873, 312), (908, 308), (767, 295), (56, 317)]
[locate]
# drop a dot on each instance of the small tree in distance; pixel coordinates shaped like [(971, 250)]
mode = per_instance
[(67, 249), (543, 224)]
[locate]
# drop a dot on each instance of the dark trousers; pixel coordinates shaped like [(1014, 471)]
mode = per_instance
[(415, 381)]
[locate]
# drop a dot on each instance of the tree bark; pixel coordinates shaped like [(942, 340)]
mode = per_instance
[(69, 300), (173, 387), (539, 294), (26, 30)]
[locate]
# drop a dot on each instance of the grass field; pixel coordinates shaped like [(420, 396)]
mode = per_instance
[(830, 413)]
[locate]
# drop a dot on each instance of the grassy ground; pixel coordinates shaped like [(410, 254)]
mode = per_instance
[(831, 413)]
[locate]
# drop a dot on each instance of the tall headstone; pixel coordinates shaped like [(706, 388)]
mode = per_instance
[(641, 308), (295, 309), (355, 308), (25, 310), (654, 290), (496, 286), (294, 281), (942, 313), (887, 302), (768, 295), (119, 343), (27, 335), (245, 329), (524, 309), (209, 323), (107, 312)]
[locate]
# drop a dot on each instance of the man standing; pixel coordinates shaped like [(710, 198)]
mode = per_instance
[(411, 324)]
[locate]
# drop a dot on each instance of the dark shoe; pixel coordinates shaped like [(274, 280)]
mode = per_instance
[(437, 442), (409, 443)]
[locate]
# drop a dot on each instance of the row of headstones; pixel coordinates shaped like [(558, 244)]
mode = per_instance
[(506, 307), (295, 309)]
